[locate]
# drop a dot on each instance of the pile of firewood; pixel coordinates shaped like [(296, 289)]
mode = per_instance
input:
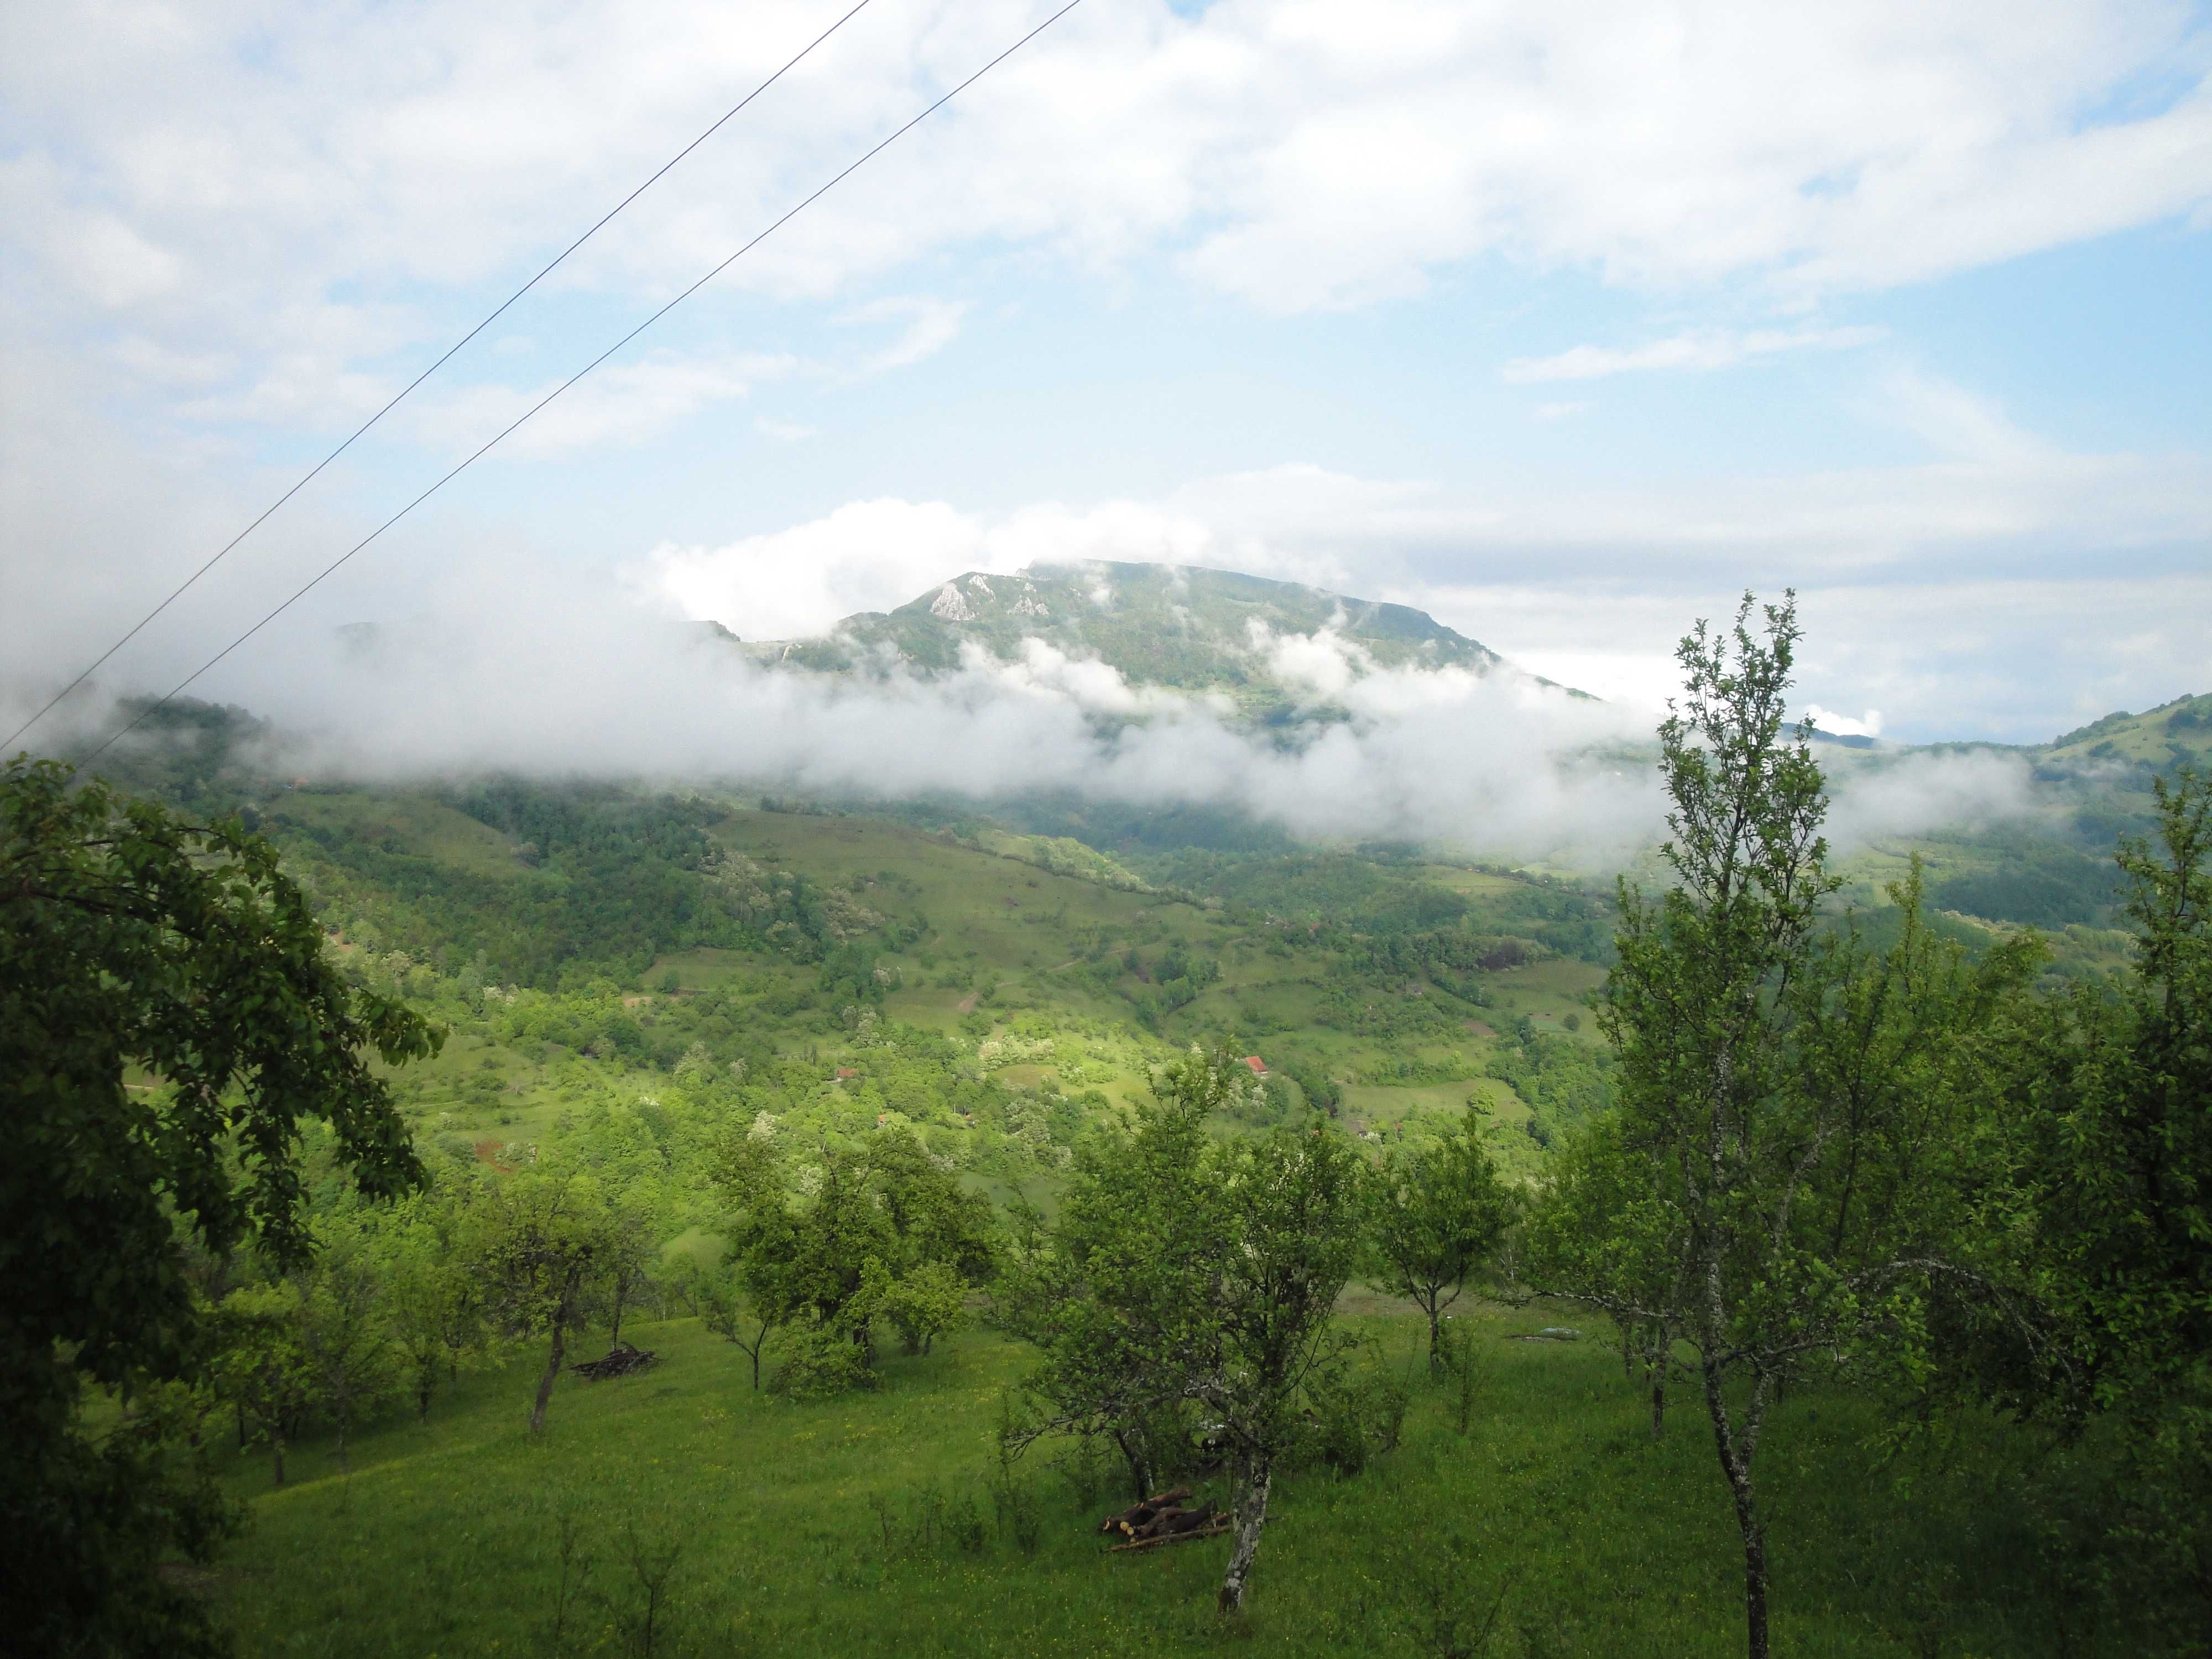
[(621, 1362), (1164, 1520)]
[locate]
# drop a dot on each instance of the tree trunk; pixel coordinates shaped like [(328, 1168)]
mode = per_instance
[(1436, 1347), (1736, 1464), (426, 1383), (552, 1371), (1133, 1453), (622, 1293), (276, 1453), (1251, 1517), (1659, 1401)]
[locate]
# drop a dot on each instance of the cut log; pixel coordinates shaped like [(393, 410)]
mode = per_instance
[(1213, 1526), (1142, 1512)]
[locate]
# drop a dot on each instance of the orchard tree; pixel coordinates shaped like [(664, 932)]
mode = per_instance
[(1439, 1215), (1116, 1293), (539, 1242), (721, 1298), (1290, 1204), (168, 1022), (884, 1233), (1800, 1102), (344, 1333), (1605, 1231), (434, 1304), (1195, 1270), (262, 1367)]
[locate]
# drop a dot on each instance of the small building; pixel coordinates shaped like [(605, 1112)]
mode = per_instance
[(845, 1073), (1259, 1066)]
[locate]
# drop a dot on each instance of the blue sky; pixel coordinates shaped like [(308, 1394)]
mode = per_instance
[(1567, 328)]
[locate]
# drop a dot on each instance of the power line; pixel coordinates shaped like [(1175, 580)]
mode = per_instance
[(179, 591), (506, 431)]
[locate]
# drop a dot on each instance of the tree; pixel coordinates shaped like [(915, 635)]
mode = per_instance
[(2110, 1132), (1438, 1217), (1800, 1102), (1603, 1232), (435, 1307), (719, 1297), (1193, 1270), (168, 1021), (344, 1335), (633, 1252), (884, 1232), (1294, 1200), (1117, 1292), (538, 1243), (262, 1367)]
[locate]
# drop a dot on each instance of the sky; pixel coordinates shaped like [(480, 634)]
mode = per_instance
[(1565, 324)]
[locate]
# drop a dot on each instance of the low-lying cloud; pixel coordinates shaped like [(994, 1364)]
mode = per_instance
[(569, 683)]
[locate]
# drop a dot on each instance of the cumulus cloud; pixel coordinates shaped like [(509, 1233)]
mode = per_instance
[(1867, 724), (196, 172), (866, 555)]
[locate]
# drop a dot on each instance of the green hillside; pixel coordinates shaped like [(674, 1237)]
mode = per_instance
[(576, 939), (2178, 733)]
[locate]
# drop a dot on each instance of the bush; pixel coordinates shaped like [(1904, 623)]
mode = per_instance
[(1356, 1413), (818, 1363)]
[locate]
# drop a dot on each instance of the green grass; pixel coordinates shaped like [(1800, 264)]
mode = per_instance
[(1556, 1507)]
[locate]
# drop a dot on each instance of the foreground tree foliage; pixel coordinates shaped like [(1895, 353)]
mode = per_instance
[(167, 1025), (2109, 1133), (1793, 1179)]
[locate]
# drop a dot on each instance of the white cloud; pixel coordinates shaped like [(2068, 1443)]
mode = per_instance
[(866, 555), (1703, 349), (1299, 155), (1867, 724), (1560, 411), (618, 404), (928, 326), (514, 667), (2004, 589), (785, 432)]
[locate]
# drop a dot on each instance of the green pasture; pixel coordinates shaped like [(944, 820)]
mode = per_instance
[(869, 1524)]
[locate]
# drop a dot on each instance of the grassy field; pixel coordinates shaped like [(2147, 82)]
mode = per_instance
[(867, 1525)]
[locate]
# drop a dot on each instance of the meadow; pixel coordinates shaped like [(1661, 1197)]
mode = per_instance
[(1546, 1522)]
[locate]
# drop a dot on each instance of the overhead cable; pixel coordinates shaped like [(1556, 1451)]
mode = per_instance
[(504, 432), (179, 592)]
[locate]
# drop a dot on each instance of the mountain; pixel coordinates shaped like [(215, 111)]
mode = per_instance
[(1180, 626)]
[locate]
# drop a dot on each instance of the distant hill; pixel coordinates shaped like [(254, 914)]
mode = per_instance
[(1179, 625), (2173, 734)]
